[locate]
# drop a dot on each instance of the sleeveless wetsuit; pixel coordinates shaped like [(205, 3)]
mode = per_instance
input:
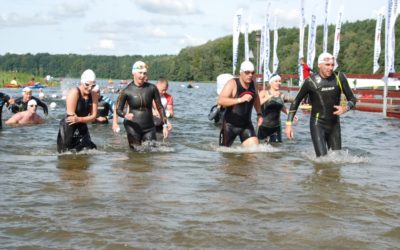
[(324, 94), (76, 136), (20, 105), (140, 100), (271, 112), (237, 118), (4, 98)]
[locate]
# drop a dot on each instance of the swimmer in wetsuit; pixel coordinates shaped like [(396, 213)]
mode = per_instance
[(272, 104), (139, 95), (4, 98), (81, 104), (105, 107), (21, 103), (238, 97), (324, 90)]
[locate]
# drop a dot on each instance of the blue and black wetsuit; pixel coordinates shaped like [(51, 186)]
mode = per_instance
[(76, 136), (4, 98), (237, 118), (324, 94), (270, 129), (140, 101), (105, 108), (20, 105)]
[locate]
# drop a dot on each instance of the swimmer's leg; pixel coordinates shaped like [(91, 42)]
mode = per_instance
[(318, 139), (335, 138)]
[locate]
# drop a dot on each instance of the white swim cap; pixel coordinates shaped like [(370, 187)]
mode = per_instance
[(246, 66), (274, 77), (32, 102), (26, 90), (325, 57), (88, 76), (139, 66)]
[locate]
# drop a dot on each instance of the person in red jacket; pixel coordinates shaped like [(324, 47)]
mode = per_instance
[(306, 69)]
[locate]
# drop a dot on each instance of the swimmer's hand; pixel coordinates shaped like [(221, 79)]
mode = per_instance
[(246, 98), (72, 119), (340, 110), (165, 131), (289, 131), (101, 119), (116, 128), (129, 116)]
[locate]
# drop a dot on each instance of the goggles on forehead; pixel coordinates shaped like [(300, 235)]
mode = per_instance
[(326, 60)]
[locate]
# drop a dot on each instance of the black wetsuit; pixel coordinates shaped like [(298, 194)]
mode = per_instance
[(4, 98), (270, 129), (20, 105), (324, 94), (104, 108), (237, 118), (139, 100), (216, 114), (76, 136)]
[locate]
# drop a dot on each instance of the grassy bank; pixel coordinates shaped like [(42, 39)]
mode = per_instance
[(22, 78)]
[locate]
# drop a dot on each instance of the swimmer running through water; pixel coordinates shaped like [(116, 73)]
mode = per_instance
[(81, 104), (239, 96), (272, 104), (139, 95), (324, 89)]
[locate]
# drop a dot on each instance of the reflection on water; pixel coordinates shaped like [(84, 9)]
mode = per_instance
[(188, 192)]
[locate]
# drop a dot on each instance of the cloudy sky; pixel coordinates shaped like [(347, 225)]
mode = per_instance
[(146, 27)]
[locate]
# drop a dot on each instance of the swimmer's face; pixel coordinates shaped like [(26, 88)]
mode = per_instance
[(247, 76), (32, 108), (326, 67), (276, 84), (27, 95), (140, 77), (162, 87), (88, 86)]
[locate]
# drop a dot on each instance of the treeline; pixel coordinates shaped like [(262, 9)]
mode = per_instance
[(206, 62)]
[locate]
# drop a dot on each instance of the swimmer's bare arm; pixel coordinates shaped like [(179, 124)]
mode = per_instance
[(227, 96), (14, 119)]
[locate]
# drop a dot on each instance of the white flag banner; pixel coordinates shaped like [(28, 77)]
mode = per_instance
[(325, 48), (388, 37), (267, 72), (301, 28), (392, 44), (377, 47), (311, 41), (246, 42), (236, 33), (275, 62), (336, 44), (261, 59)]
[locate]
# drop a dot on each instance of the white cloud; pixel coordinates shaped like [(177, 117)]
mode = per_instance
[(16, 20), (107, 44), (157, 33), (169, 7), (286, 18), (70, 9)]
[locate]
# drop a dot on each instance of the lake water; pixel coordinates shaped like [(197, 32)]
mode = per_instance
[(190, 193)]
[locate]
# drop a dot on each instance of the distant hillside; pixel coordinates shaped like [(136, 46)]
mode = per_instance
[(205, 62)]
